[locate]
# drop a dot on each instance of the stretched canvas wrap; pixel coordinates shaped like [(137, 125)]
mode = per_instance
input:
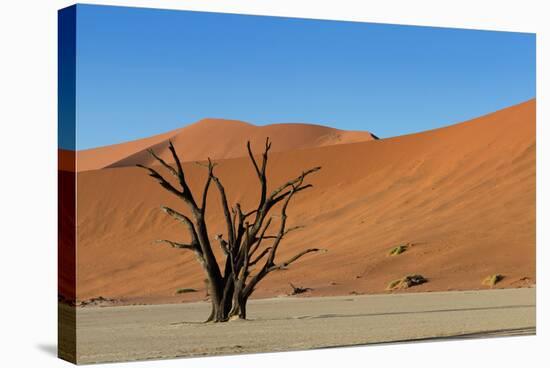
[(237, 184)]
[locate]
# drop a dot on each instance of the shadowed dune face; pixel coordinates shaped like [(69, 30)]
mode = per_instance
[(462, 197), (217, 139)]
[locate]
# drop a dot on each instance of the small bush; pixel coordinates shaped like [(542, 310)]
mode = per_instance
[(185, 290), (393, 285), (407, 282), (492, 280), (398, 250), (298, 290)]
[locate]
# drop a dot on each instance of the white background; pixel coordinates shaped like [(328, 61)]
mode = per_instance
[(28, 205)]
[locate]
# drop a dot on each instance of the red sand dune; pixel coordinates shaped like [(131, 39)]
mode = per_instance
[(463, 196), (216, 138)]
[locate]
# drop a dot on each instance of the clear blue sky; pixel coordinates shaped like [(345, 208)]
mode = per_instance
[(142, 72)]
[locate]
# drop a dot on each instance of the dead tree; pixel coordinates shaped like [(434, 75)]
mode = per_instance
[(248, 247)]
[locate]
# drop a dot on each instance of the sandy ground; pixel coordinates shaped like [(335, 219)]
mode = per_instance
[(163, 331), (462, 198)]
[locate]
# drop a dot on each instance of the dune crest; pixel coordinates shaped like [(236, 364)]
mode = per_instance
[(217, 139)]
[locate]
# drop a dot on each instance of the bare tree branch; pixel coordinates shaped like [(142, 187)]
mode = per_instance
[(250, 213), (285, 232), (178, 216), (260, 256), (223, 244), (174, 244), (261, 173), (163, 182), (251, 155), (293, 259), (185, 220), (246, 254), (262, 234), (266, 268), (279, 237), (265, 154), (283, 195), (181, 176), (293, 182), (229, 221), (239, 226), (163, 163), (210, 166)]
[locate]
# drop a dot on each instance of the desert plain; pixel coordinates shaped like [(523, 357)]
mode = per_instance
[(282, 324)]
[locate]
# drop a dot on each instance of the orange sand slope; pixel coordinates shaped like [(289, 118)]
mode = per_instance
[(462, 196), (216, 138)]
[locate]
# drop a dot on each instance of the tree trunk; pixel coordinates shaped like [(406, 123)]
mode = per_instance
[(238, 311), (217, 313), (242, 309), (218, 309)]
